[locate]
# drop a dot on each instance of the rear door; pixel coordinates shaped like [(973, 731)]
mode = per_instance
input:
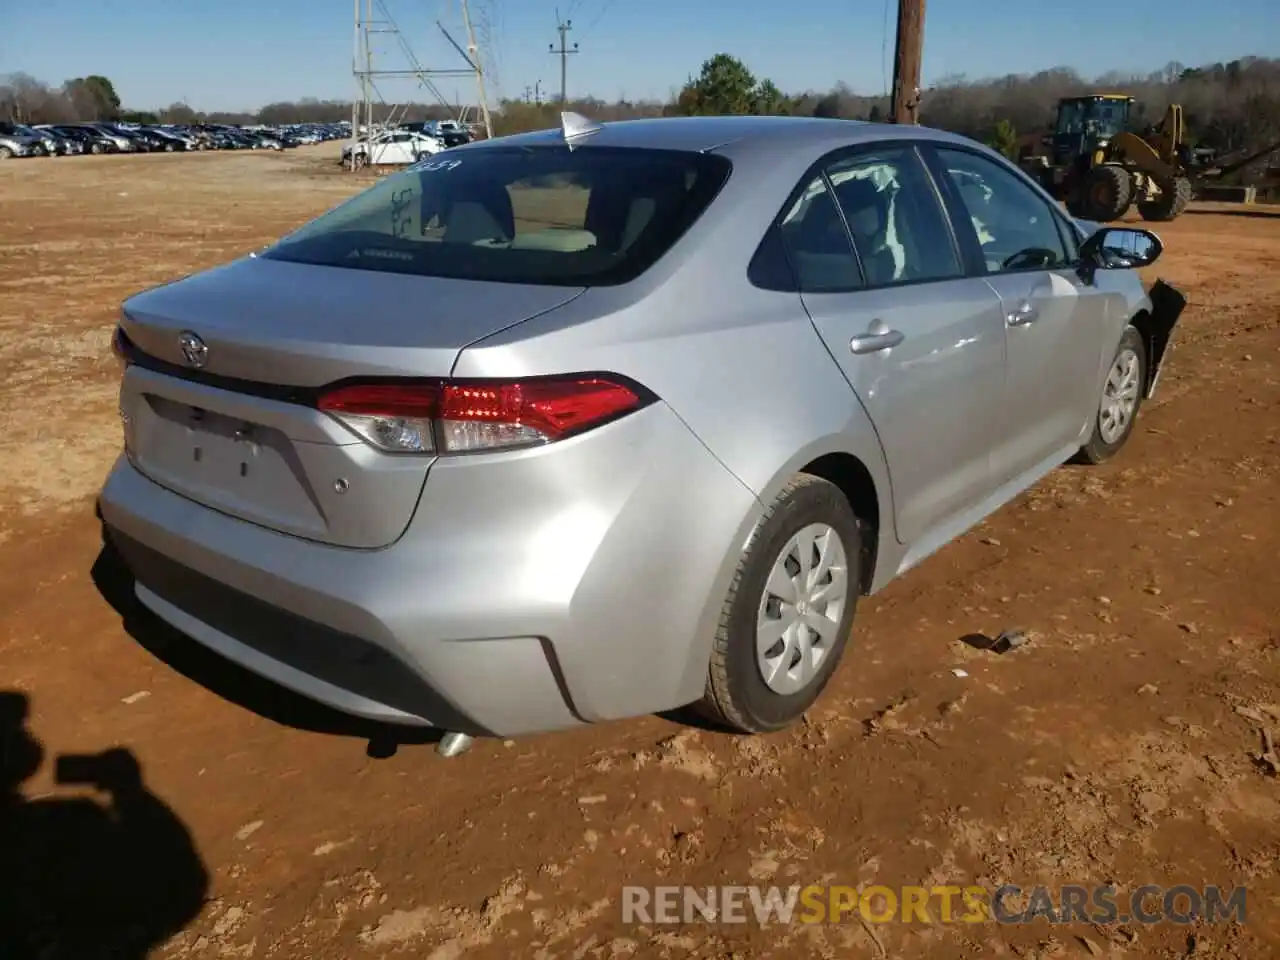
[(921, 345), (1055, 322)]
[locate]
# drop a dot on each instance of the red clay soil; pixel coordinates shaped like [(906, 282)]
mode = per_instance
[(1119, 744)]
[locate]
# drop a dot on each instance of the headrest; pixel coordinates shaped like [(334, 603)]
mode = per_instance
[(858, 193)]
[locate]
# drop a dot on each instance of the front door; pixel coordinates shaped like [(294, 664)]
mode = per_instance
[(1053, 320)]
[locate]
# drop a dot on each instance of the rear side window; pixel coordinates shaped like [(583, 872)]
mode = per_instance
[(594, 216), (896, 219), (818, 243)]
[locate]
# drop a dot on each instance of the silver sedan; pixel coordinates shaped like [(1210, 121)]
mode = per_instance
[(595, 422)]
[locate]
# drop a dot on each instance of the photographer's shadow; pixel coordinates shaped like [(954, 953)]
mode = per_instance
[(85, 878)]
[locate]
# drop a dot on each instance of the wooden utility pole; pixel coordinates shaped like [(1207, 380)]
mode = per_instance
[(563, 28), (907, 56)]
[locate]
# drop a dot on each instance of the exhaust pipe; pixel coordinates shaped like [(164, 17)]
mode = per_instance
[(454, 744)]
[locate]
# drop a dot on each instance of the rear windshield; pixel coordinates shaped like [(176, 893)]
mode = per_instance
[(593, 216)]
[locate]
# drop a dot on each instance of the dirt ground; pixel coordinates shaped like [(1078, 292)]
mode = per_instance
[(1120, 744)]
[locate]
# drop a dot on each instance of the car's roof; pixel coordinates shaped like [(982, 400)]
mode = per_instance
[(706, 133)]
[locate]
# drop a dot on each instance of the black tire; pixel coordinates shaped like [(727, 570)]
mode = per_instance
[(737, 696), (1107, 193), (1171, 203), (1099, 449), (1076, 205)]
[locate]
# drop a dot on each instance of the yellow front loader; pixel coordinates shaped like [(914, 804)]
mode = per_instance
[(1099, 167)]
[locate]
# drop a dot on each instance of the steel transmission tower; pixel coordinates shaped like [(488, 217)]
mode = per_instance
[(373, 18)]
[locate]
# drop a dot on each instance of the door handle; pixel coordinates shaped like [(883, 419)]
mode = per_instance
[(1022, 314), (878, 337)]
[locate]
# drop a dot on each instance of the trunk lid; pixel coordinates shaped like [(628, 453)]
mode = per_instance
[(237, 434)]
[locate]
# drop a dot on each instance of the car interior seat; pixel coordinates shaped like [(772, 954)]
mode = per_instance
[(859, 195), (617, 213), (479, 214)]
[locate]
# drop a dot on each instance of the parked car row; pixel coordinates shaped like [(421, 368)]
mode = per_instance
[(70, 139), (404, 143)]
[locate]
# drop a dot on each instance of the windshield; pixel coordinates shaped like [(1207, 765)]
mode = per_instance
[(1098, 118), (1108, 117), (538, 215)]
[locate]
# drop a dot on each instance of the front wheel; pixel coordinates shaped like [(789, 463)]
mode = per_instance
[(787, 617), (1108, 193), (1172, 202), (1120, 401)]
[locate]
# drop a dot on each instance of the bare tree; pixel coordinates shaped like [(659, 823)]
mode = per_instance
[(1233, 107)]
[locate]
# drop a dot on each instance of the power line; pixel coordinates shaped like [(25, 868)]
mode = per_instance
[(884, 50), (600, 14)]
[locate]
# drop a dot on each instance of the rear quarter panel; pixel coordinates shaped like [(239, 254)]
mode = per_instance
[(753, 384), (743, 367)]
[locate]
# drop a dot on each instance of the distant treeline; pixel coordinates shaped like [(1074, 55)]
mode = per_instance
[(1229, 106)]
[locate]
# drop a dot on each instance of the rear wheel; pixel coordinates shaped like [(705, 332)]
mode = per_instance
[(1120, 400), (1108, 192), (6, 153), (789, 611), (1171, 202)]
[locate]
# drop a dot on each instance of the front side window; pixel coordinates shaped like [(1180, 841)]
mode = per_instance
[(1014, 225), (1071, 118), (541, 215)]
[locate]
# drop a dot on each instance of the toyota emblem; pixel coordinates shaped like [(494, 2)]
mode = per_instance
[(194, 350)]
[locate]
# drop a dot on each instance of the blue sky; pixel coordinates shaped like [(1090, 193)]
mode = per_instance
[(231, 54)]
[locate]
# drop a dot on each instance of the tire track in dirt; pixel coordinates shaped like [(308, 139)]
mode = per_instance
[(1117, 745)]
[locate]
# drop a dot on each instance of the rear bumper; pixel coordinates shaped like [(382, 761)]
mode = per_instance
[(532, 591)]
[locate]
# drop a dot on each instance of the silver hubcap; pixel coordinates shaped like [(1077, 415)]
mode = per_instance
[(801, 609), (1119, 396)]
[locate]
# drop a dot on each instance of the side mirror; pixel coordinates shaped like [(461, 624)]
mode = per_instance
[(1120, 248)]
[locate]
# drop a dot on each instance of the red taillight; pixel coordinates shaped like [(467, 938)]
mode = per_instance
[(461, 416)]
